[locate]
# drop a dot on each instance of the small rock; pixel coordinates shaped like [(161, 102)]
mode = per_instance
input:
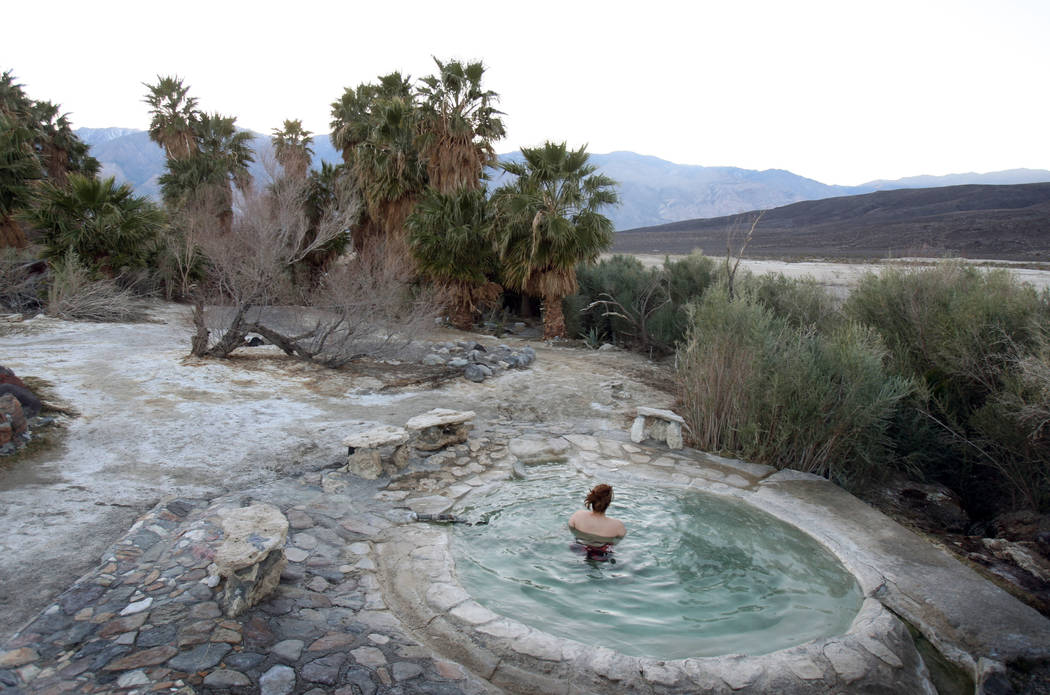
[(137, 607), (288, 650), (199, 658), (432, 360), (226, 678), (324, 670), (18, 657), (406, 670), (295, 554), (132, 679), (474, 373), (279, 680), (368, 656)]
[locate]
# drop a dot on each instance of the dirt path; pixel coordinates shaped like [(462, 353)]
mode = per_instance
[(154, 423)]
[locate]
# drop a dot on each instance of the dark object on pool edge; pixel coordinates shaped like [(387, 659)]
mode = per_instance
[(448, 519)]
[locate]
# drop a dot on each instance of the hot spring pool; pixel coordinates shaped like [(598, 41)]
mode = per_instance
[(697, 575)]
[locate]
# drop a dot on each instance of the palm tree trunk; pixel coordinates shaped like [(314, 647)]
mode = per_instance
[(461, 316), (11, 233), (553, 318)]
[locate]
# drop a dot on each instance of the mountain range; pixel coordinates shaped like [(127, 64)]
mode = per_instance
[(1007, 222), (653, 191)]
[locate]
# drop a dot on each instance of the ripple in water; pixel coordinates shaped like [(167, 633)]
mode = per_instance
[(697, 575)]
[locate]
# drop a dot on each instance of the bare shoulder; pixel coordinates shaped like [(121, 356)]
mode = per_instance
[(621, 530), (575, 516)]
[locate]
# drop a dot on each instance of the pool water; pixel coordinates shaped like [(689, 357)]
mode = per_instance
[(697, 574)]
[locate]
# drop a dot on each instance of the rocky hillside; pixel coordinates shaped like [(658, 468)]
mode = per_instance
[(973, 221), (653, 191)]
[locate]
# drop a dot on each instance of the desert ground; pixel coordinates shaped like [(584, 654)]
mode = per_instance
[(154, 423)]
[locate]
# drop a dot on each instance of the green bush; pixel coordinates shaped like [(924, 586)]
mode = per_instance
[(968, 336), (803, 301), (622, 301), (756, 385), (103, 223)]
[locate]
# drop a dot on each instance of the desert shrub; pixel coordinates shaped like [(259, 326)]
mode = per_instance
[(956, 326), (622, 301), (22, 281), (802, 301), (752, 383), (968, 335), (1013, 428), (76, 294)]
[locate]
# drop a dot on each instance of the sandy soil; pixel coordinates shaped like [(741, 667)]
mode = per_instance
[(155, 423), (840, 277)]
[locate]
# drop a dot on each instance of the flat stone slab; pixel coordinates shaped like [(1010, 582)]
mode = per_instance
[(667, 415), (376, 437), (433, 504), (439, 417)]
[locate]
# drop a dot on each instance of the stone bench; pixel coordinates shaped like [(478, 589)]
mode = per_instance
[(251, 557), (363, 450), (661, 425), (439, 428)]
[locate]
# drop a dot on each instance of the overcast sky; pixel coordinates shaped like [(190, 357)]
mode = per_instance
[(839, 91)]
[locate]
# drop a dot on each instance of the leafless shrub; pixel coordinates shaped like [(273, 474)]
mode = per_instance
[(75, 295), (22, 280), (364, 306), (733, 238)]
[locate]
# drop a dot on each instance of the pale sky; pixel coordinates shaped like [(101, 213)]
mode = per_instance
[(839, 91)]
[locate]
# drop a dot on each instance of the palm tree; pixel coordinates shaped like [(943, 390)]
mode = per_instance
[(103, 223), (19, 167), (219, 160), (376, 127), (291, 147), (549, 222), (174, 118), (459, 125), (60, 150), (13, 100), (451, 238)]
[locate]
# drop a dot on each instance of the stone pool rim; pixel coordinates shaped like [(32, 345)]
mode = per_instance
[(417, 570)]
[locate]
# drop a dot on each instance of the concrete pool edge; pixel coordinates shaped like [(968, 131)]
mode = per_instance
[(899, 573)]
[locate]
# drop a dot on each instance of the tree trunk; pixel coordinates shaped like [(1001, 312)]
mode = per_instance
[(525, 308), (460, 315), (11, 233), (553, 318), (199, 343)]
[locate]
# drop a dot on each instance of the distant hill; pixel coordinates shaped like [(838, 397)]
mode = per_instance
[(973, 221), (652, 190)]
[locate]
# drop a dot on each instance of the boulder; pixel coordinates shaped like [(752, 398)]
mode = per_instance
[(251, 556), (9, 377), (11, 412), (30, 403)]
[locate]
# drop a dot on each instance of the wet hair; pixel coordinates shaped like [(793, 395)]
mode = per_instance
[(598, 499)]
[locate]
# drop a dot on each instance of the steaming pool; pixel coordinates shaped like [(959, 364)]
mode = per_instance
[(697, 574)]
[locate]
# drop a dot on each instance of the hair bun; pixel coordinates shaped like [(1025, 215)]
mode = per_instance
[(599, 497)]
